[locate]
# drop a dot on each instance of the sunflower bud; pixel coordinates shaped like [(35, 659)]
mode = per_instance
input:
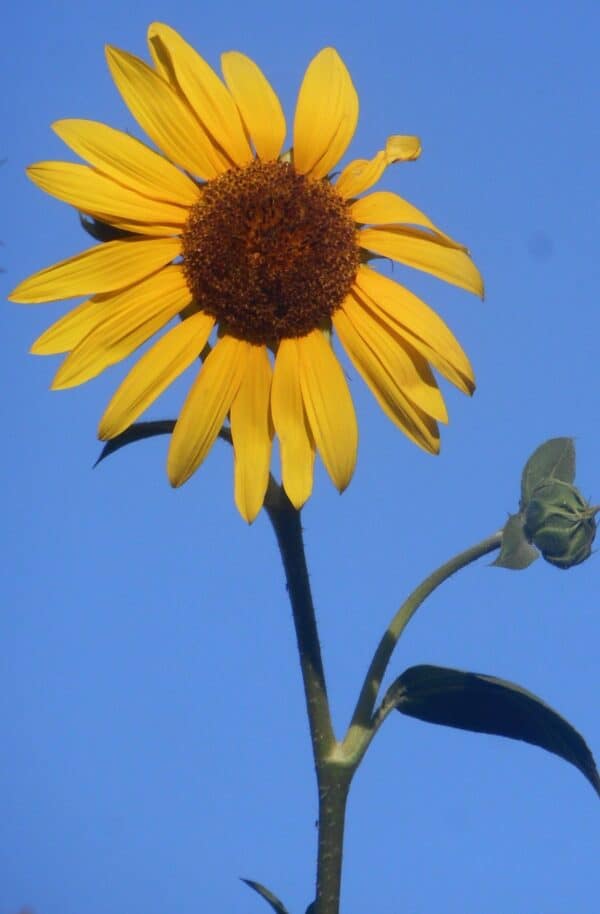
[(560, 523)]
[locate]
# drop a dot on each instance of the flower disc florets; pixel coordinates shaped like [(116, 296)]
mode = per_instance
[(269, 253)]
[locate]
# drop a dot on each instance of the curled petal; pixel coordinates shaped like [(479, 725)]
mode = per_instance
[(361, 174)]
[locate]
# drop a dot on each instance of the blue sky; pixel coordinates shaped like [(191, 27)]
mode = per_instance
[(154, 739)]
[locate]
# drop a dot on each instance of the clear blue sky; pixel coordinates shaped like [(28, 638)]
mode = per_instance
[(154, 742)]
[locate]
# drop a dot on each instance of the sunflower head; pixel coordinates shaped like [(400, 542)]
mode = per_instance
[(248, 262)]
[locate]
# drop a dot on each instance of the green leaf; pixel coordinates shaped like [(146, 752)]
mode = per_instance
[(271, 899), (101, 231), (484, 704), (555, 459), (141, 430), (136, 432), (516, 551)]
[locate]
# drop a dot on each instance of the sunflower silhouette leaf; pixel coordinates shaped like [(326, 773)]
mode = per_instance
[(139, 431), (271, 899), (102, 231), (485, 704)]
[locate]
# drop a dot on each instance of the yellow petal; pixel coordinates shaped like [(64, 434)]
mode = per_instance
[(326, 115), (418, 323), (297, 445), (408, 368), (165, 66), (103, 268), (417, 249), (402, 148), (153, 373), (161, 112), (329, 407), (127, 160), (135, 315), (383, 207), (99, 196), (206, 407), (258, 104), (252, 434), (361, 174), (67, 332), (208, 98), (418, 426)]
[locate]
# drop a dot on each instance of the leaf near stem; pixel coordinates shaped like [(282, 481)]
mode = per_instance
[(271, 899), (485, 704)]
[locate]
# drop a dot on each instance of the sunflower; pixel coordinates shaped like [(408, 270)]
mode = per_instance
[(258, 258)]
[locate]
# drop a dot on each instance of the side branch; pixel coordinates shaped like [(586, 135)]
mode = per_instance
[(361, 730)]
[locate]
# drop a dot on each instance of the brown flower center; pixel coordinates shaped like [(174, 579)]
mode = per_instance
[(269, 253)]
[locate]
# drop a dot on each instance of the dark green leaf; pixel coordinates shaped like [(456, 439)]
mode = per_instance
[(136, 432), (101, 231), (141, 430), (271, 899), (516, 552), (484, 704), (555, 459)]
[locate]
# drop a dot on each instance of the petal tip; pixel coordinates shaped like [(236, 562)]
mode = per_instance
[(106, 429), (248, 514), (36, 349), (174, 479), (176, 472), (297, 500), (15, 296)]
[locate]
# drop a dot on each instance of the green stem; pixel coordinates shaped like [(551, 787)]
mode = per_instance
[(335, 762), (333, 777), (288, 530), (334, 784), (361, 729)]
